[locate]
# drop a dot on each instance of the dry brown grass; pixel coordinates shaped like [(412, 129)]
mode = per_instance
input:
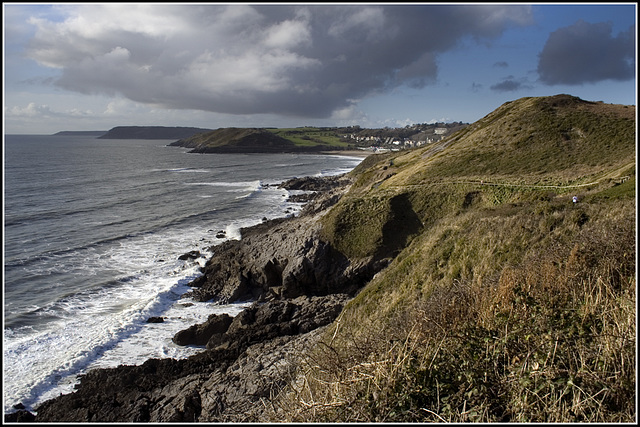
[(550, 338), (511, 304)]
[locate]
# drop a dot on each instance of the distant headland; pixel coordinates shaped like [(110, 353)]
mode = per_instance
[(138, 132), (96, 133), (151, 132), (307, 139)]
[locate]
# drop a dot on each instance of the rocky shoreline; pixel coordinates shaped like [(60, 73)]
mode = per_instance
[(299, 284)]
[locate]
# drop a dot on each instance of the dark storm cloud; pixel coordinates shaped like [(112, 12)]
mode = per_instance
[(300, 60), (587, 53), (511, 84)]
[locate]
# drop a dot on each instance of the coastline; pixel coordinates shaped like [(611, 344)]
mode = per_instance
[(289, 312), (159, 253), (349, 153)]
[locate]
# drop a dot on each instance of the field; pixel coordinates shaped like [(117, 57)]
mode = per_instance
[(311, 136)]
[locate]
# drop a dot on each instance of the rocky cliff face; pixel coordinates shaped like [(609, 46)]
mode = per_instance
[(300, 284), (284, 258), (245, 360)]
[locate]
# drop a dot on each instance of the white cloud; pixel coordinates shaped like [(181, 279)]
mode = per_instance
[(349, 115), (287, 34), (44, 111), (369, 21), (31, 110)]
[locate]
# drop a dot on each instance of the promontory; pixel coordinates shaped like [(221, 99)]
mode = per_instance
[(151, 132), (246, 140)]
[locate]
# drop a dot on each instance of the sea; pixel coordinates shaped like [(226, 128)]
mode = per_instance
[(92, 238)]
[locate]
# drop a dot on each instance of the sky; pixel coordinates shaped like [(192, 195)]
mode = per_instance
[(94, 66)]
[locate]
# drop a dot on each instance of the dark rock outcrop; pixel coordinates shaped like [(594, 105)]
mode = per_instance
[(279, 259), (262, 322), (315, 189), (300, 285), (21, 416), (223, 383), (200, 334), (314, 183), (189, 255)]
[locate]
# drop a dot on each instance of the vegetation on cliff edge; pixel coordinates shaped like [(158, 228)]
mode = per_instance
[(504, 300)]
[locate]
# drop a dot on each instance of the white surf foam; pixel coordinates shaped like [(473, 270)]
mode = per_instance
[(106, 327)]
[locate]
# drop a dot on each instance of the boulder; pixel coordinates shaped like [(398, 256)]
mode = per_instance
[(20, 416), (189, 255), (264, 321), (201, 333)]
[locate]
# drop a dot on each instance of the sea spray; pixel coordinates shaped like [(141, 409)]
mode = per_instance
[(93, 238)]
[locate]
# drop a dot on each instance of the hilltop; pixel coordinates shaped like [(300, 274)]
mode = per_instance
[(453, 282), (272, 140), (492, 307), (236, 140)]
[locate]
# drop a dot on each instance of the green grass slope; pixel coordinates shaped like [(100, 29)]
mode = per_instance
[(571, 146), (231, 140), (325, 138), (504, 301), (254, 140)]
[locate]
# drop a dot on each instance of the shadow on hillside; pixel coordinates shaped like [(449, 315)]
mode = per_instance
[(403, 224)]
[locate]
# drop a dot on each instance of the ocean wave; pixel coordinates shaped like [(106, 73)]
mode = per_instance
[(92, 337), (86, 325), (86, 275), (244, 184), (187, 170)]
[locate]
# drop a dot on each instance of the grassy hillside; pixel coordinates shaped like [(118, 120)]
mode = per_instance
[(503, 299), (236, 140), (312, 137), (488, 163), (231, 140)]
